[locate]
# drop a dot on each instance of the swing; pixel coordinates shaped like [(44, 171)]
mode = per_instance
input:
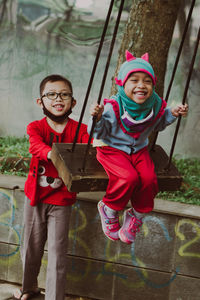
[(80, 170)]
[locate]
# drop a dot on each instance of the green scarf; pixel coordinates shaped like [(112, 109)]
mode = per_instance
[(135, 110)]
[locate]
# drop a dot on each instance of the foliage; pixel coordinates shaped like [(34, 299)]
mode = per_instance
[(190, 189), (9, 170), (14, 147)]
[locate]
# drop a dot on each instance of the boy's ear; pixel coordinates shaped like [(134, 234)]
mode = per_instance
[(73, 102), (39, 102)]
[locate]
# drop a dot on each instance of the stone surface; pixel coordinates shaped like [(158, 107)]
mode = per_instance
[(185, 288)]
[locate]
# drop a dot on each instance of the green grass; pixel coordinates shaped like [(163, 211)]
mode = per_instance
[(189, 168), (190, 190), (14, 147)]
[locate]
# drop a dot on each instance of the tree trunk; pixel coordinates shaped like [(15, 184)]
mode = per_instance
[(149, 29)]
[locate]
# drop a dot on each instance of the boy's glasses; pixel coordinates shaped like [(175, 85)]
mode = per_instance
[(53, 96)]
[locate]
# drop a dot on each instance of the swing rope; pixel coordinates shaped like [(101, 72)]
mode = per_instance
[(152, 147), (93, 73), (184, 98), (106, 71), (103, 80)]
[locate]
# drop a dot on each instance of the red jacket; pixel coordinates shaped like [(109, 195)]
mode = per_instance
[(43, 183)]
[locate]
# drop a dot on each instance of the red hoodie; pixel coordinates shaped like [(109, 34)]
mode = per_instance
[(43, 183)]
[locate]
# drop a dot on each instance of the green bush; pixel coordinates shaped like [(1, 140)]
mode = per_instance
[(190, 189)]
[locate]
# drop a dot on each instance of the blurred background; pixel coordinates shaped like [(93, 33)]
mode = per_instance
[(42, 37)]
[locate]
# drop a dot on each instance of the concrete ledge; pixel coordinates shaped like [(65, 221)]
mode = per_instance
[(12, 182), (163, 263), (177, 208), (161, 206)]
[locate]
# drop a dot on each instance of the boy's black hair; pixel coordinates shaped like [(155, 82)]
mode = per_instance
[(53, 78)]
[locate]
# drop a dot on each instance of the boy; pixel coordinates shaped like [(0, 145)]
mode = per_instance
[(121, 137), (48, 202)]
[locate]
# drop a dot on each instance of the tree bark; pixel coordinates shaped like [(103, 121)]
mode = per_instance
[(149, 29)]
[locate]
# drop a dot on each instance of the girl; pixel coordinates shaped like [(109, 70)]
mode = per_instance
[(121, 133)]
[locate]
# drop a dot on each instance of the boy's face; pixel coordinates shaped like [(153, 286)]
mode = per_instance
[(138, 87), (58, 106)]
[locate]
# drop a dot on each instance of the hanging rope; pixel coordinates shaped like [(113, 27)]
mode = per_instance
[(176, 64), (105, 75), (103, 80), (93, 72), (184, 98)]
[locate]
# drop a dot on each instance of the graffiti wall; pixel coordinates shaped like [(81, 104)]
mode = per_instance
[(163, 263)]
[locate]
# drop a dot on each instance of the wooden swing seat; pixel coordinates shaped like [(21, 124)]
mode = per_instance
[(94, 178)]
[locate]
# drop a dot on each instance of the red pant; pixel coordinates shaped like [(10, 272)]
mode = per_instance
[(131, 177)]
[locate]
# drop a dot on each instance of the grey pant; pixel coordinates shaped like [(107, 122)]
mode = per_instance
[(42, 222)]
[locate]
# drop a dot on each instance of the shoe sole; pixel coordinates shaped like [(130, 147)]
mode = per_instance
[(123, 238)]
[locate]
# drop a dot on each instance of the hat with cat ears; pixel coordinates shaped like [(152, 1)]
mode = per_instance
[(134, 64)]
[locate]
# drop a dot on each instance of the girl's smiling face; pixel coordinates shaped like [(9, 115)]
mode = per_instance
[(138, 87)]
